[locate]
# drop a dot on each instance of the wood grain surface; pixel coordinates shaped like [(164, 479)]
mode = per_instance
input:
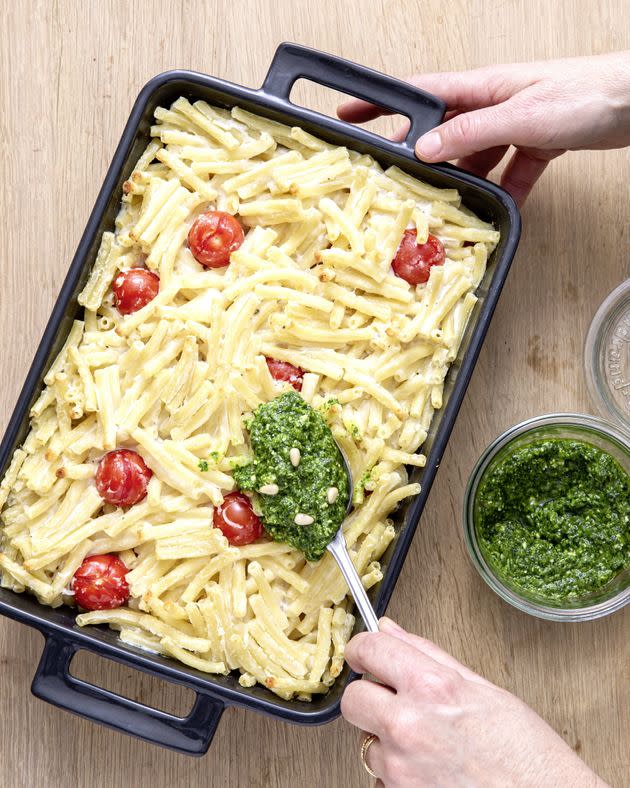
[(69, 73)]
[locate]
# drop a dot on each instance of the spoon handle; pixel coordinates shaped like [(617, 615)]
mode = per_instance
[(340, 553)]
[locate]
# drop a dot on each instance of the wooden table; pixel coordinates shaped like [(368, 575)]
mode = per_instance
[(70, 71)]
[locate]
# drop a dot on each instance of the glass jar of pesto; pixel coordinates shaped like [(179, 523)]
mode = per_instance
[(547, 517)]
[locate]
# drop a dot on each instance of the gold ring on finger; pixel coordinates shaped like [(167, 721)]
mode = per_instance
[(365, 746)]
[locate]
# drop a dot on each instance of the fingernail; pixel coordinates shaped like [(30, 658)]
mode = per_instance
[(429, 146), (386, 623)]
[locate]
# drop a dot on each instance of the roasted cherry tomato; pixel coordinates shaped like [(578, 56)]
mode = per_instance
[(122, 477), (236, 518), (287, 373), (100, 584), (413, 261), (213, 237), (134, 288)]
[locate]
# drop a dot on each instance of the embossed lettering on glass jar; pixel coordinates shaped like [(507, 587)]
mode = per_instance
[(607, 357)]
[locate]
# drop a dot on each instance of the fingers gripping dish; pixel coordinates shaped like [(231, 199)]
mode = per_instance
[(249, 259)]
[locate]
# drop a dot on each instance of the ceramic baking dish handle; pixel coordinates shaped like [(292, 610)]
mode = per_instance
[(54, 683), (293, 61)]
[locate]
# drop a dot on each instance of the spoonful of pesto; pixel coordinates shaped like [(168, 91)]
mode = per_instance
[(304, 485)]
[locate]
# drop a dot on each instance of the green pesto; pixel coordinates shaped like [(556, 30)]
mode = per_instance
[(211, 462), (366, 477), (353, 430), (278, 426), (327, 406), (553, 518)]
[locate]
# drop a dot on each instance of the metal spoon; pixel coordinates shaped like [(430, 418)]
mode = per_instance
[(337, 548)]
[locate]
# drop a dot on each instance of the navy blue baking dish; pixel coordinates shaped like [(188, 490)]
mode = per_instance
[(192, 734)]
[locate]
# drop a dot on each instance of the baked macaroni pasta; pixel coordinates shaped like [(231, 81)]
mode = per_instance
[(248, 260)]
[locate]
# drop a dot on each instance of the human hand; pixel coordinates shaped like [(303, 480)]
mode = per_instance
[(439, 724), (543, 109)]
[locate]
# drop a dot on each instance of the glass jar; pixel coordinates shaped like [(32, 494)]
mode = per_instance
[(607, 357), (610, 597)]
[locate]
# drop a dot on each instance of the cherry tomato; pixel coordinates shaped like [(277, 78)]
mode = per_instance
[(134, 288), (213, 237), (287, 373), (122, 477), (100, 584), (236, 518), (413, 261)]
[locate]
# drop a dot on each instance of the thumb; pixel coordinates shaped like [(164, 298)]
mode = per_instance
[(471, 132), (430, 649)]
